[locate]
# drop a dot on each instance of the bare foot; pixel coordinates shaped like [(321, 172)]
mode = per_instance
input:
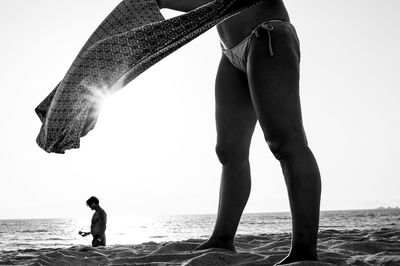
[(215, 243), (298, 256)]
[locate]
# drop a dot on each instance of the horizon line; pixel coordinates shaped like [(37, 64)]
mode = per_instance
[(199, 214)]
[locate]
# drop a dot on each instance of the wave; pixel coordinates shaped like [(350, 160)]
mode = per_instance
[(329, 226), (55, 238), (34, 231)]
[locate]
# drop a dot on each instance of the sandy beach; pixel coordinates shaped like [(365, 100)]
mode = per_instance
[(353, 247)]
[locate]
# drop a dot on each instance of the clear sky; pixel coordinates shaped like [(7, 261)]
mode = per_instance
[(152, 151)]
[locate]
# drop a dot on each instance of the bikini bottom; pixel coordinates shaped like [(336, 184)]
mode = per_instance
[(237, 55)]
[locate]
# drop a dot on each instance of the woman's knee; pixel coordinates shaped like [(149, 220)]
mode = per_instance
[(283, 149), (231, 153)]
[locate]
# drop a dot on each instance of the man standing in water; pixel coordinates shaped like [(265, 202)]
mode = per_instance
[(99, 221), (258, 80)]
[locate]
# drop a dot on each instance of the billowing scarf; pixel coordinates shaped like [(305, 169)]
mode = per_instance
[(131, 39)]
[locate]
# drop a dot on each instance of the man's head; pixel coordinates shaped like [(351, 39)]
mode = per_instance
[(92, 202)]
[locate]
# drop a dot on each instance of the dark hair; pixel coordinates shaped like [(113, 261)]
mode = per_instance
[(91, 200)]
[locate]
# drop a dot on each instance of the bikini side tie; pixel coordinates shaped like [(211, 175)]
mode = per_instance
[(268, 28)]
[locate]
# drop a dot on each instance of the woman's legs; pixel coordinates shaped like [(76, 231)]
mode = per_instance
[(274, 88), (235, 120)]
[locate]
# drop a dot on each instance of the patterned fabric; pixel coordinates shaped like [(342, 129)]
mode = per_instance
[(130, 40)]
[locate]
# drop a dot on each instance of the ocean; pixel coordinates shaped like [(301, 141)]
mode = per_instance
[(63, 233)]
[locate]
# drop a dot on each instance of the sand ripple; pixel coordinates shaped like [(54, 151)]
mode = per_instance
[(353, 247)]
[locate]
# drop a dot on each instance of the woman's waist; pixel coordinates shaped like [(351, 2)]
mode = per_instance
[(233, 30)]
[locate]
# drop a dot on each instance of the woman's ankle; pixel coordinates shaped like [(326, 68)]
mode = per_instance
[(216, 242)]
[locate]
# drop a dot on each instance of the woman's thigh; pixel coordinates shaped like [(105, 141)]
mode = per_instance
[(274, 85), (235, 115)]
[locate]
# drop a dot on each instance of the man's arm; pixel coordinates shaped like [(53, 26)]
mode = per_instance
[(84, 233), (182, 5)]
